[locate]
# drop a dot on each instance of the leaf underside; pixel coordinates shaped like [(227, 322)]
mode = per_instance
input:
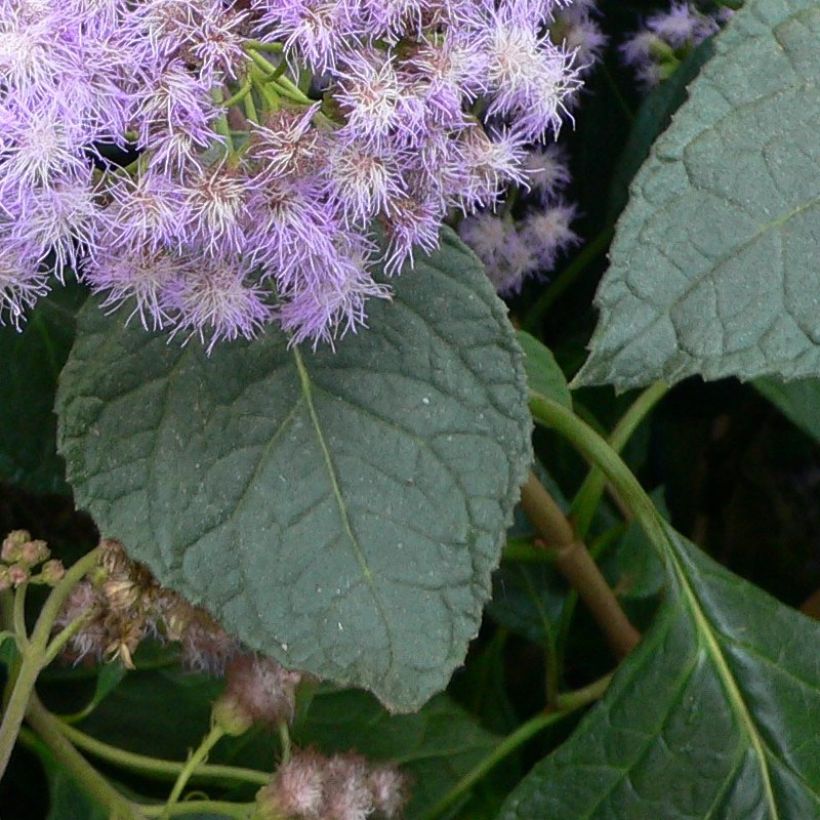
[(714, 266), (715, 715), (342, 511)]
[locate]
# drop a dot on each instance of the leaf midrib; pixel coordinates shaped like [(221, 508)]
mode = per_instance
[(724, 672)]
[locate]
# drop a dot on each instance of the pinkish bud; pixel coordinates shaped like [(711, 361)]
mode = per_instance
[(34, 552), (265, 689), (52, 572), (10, 551), (18, 574), (297, 789)]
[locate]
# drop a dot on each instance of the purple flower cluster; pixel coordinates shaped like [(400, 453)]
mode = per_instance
[(513, 249), (276, 150), (655, 51)]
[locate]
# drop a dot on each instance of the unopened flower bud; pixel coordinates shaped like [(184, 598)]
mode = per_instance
[(12, 543), (18, 574), (34, 552), (5, 581), (231, 716), (265, 689), (52, 572), (297, 789)]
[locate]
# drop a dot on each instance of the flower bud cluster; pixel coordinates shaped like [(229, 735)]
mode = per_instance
[(656, 50), (513, 249), (311, 786), (24, 559), (219, 165), (121, 604)]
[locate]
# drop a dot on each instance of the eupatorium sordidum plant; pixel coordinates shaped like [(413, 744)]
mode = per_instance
[(269, 478)]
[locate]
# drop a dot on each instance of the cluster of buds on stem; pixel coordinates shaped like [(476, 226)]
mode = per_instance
[(311, 786), (121, 603), (24, 559), (667, 37)]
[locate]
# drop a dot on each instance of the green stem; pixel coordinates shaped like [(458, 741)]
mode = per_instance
[(284, 740), (87, 776), (59, 641), (241, 94), (34, 657), (164, 769), (598, 451), (567, 704), (19, 617), (589, 495), (588, 254), (258, 45), (54, 603), (213, 807), (15, 710), (194, 761)]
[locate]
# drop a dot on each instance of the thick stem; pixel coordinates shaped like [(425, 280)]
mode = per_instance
[(34, 657), (588, 497), (15, 710), (567, 704), (598, 452), (194, 761), (575, 563), (87, 776)]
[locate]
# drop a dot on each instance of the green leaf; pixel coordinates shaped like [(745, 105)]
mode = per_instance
[(799, 401), (342, 511), (714, 265), (436, 747), (544, 376), (109, 677), (652, 118), (30, 362), (713, 715)]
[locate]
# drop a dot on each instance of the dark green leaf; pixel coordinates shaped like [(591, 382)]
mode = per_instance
[(714, 714), (544, 376), (30, 363), (436, 747), (652, 118), (528, 599), (339, 511), (714, 266), (799, 401)]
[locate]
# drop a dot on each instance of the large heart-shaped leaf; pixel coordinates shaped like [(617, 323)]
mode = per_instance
[(713, 716), (339, 511), (714, 266)]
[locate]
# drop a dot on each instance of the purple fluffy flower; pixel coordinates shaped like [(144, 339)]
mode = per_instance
[(280, 153)]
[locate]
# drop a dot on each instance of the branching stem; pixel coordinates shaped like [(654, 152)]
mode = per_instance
[(575, 563)]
